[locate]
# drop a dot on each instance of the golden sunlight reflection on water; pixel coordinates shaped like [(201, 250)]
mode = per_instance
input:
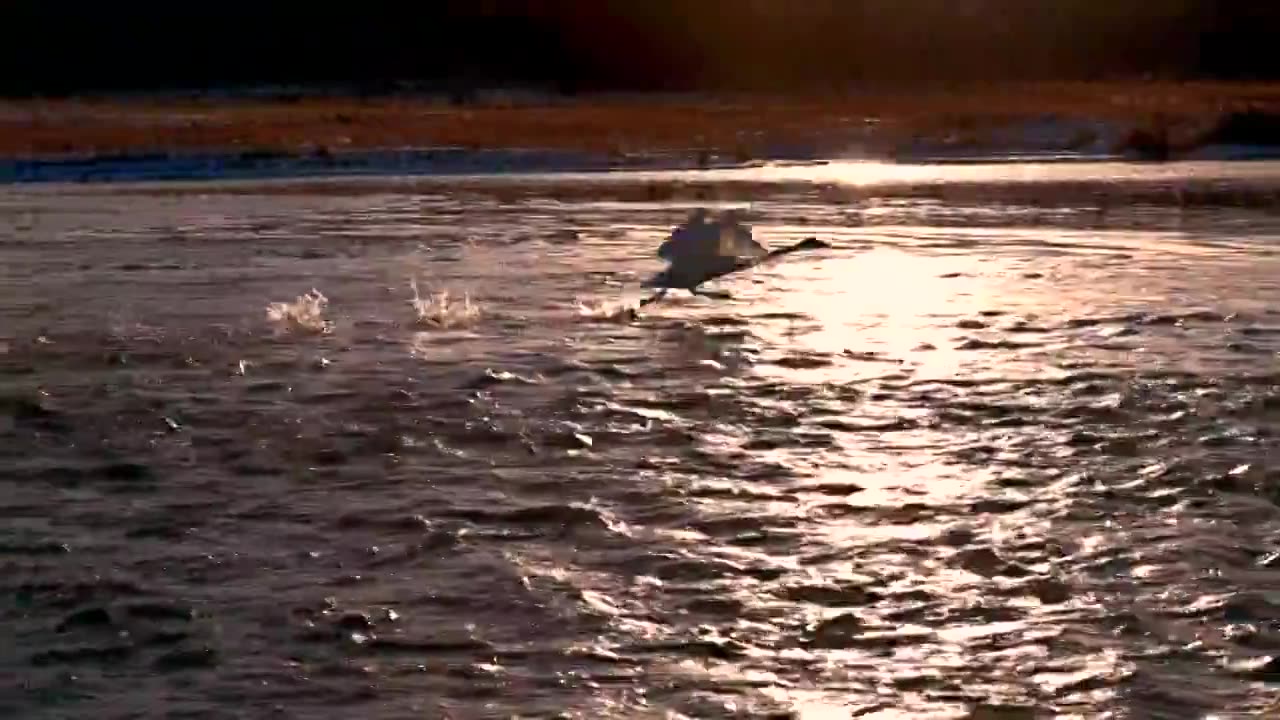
[(883, 301), (865, 173)]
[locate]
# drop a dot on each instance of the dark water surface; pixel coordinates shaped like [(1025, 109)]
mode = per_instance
[(1006, 451)]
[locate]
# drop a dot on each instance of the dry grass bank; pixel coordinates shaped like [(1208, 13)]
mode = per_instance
[(735, 124)]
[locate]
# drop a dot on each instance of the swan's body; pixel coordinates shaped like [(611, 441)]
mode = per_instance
[(698, 251)]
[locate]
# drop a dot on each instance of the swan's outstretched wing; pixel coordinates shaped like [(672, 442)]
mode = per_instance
[(736, 241), (687, 236)]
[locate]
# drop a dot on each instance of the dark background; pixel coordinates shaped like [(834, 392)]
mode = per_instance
[(53, 47)]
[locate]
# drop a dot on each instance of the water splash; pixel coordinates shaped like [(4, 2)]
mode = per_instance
[(305, 313), (609, 311), (438, 310)]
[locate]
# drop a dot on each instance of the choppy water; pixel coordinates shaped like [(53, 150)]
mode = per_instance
[(1004, 452)]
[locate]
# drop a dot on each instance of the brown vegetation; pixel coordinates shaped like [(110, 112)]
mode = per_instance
[(737, 124)]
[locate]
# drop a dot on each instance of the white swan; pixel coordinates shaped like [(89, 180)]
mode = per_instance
[(699, 251)]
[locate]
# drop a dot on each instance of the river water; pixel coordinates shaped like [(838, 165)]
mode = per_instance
[(1004, 451)]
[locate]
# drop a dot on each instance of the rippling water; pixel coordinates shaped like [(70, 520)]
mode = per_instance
[(1003, 452)]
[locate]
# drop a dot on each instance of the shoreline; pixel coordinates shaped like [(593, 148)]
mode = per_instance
[(459, 163), (150, 137)]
